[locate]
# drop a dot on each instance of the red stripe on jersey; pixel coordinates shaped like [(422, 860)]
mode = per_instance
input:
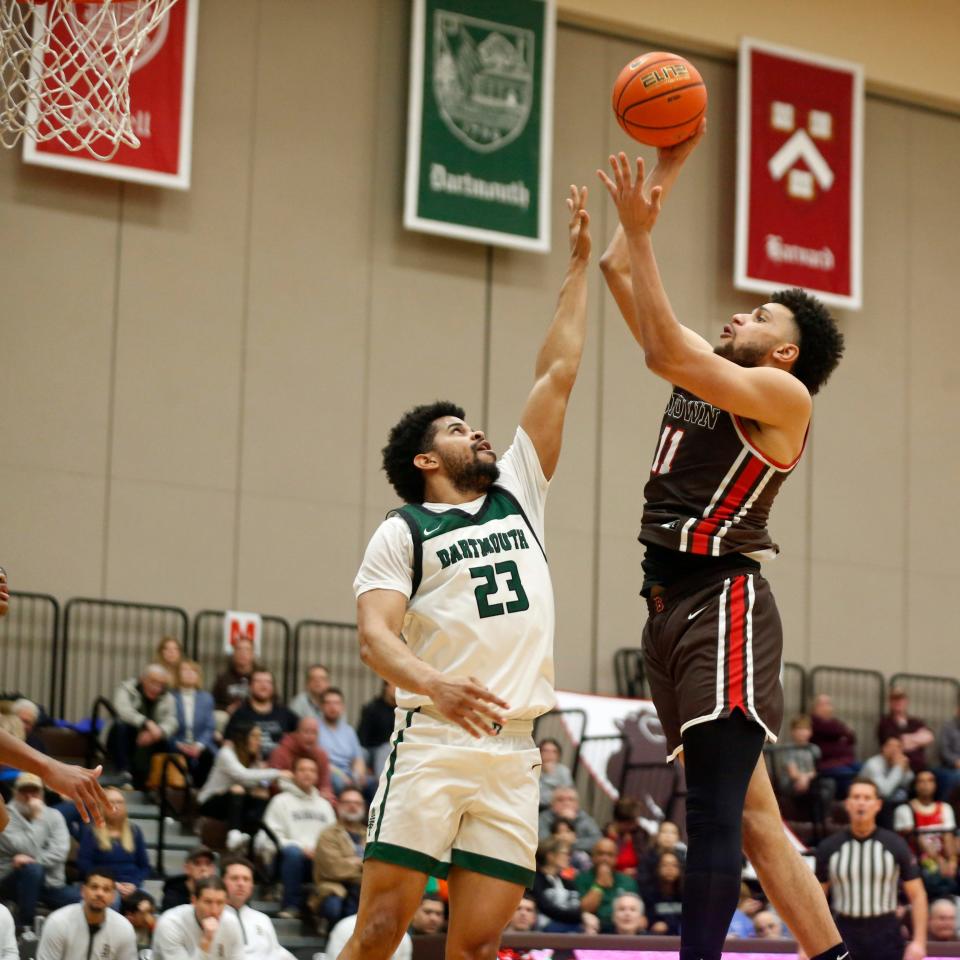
[(735, 657), (731, 503)]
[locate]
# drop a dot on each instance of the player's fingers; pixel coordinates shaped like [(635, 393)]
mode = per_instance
[(482, 693), (640, 170), (468, 726), (583, 196), (656, 195), (82, 810), (617, 172), (608, 183)]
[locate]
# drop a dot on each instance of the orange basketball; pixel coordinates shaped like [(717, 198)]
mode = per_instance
[(659, 99)]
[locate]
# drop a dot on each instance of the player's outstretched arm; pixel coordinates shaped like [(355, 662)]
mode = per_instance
[(558, 360), (766, 394), (464, 700)]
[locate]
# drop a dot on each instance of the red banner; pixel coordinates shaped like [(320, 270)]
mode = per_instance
[(799, 173), (161, 110)]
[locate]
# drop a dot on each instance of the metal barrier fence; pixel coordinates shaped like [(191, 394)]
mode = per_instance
[(567, 728), (628, 670), (933, 699), (858, 700), (794, 695), (28, 647), (106, 641), (207, 647), (590, 772), (335, 646)]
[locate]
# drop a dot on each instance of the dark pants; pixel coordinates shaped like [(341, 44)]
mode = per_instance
[(127, 755), (335, 908), (199, 767), (27, 886), (295, 869), (239, 811), (842, 777), (872, 938)]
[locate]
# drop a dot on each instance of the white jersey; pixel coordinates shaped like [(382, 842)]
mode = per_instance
[(8, 936), (480, 598), (66, 936), (259, 935), (178, 932)]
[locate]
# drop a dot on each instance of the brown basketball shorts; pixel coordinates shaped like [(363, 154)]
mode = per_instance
[(712, 647)]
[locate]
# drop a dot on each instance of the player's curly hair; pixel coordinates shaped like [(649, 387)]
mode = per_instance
[(821, 343), (414, 434)]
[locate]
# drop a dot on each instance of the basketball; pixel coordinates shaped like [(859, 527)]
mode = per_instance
[(659, 99)]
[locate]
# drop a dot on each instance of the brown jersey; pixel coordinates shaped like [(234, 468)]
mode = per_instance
[(710, 490)]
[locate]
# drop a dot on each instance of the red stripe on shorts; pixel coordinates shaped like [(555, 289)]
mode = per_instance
[(735, 658)]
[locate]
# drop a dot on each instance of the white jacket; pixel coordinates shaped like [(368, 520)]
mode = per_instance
[(259, 935), (66, 936), (228, 770), (343, 931), (8, 936), (297, 818), (178, 932)]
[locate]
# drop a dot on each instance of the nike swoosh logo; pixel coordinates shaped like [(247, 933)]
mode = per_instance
[(696, 613), (427, 533)]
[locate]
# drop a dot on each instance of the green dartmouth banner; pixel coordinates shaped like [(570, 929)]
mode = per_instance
[(480, 121)]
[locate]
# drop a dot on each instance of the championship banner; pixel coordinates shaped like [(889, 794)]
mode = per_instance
[(479, 129), (161, 107), (238, 625), (799, 173)]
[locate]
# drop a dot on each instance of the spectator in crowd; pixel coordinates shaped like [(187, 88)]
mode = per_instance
[(89, 928), (297, 816), (200, 929), (259, 935), (948, 775), (629, 915), (942, 925), (914, 734), (236, 790), (195, 736), (29, 715), (664, 895), (338, 861), (339, 739), (302, 742), (376, 727), (566, 804), (8, 933), (667, 840), (231, 687), (836, 742), (553, 773), (343, 931), (262, 709), (929, 826), (140, 910), (768, 926), (146, 720), (601, 884), (796, 768), (865, 902), (430, 917), (564, 829), (554, 890), (169, 654), (309, 702), (118, 846), (524, 919), (890, 771), (33, 852), (624, 830), (747, 908), (201, 863)]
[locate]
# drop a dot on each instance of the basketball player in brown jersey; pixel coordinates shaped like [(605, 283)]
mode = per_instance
[(733, 430)]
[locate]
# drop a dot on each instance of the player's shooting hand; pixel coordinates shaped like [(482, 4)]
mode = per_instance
[(579, 228), (82, 787), (676, 154), (467, 702), (638, 212)]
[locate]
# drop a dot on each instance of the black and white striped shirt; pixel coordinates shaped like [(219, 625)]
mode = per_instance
[(864, 873)]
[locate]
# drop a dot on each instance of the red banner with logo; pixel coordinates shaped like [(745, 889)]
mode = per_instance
[(161, 109), (799, 173)]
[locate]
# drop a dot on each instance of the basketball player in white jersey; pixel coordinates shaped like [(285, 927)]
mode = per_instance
[(455, 607)]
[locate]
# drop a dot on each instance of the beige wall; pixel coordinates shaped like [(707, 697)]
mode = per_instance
[(196, 386)]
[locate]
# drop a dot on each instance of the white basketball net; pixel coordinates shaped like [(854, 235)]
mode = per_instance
[(65, 70)]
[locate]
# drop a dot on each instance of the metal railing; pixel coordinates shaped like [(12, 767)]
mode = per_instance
[(29, 635), (858, 700), (933, 699), (794, 694), (106, 641), (169, 809), (95, 748), (567, 727), (207, 647), (630, 677), (335, 646)]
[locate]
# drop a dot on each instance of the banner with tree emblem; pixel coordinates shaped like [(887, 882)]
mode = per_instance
[(480, 121)]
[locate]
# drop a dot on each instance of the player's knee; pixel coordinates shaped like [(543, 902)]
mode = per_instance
[(380, 934), (481, 949)]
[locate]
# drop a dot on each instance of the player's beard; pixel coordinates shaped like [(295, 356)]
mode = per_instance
[(474, 476), (747, 355)]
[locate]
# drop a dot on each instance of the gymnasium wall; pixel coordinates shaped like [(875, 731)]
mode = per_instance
[(196, 386)]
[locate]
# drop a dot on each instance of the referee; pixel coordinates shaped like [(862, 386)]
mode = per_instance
[(860, 868)]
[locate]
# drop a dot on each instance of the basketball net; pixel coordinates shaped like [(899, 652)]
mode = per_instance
[(65, 69)]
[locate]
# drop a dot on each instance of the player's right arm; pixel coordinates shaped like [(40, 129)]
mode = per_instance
[(464, 700), (615, 262)]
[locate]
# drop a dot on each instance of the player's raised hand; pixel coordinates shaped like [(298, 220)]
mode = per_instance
[(676, 154), (81, 786), (638, 212), (468, 703), (579, 228)]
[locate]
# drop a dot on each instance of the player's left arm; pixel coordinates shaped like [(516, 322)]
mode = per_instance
[(766, 394), (917, 947), (558, 360)]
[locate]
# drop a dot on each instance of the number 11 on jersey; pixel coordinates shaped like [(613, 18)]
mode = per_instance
[(666, 449)]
